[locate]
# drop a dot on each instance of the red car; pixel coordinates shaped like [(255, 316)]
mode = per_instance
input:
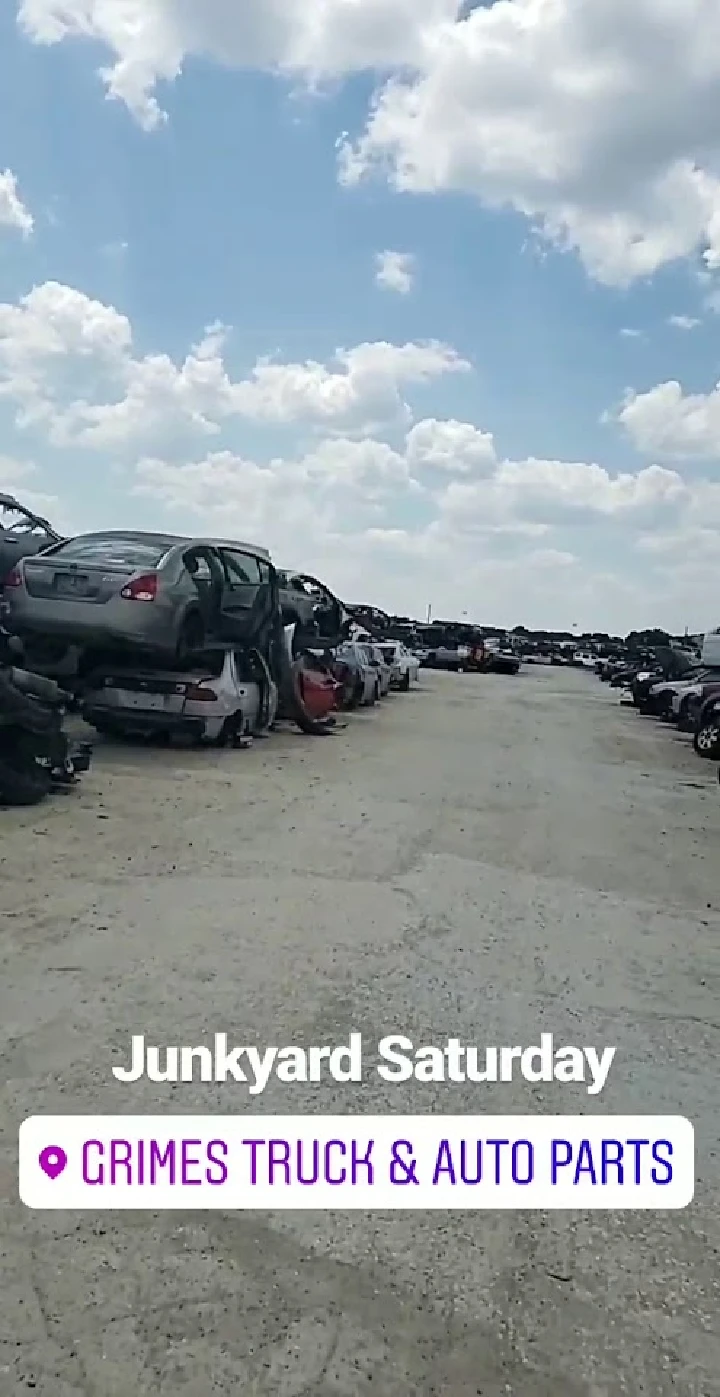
[(318, 690)]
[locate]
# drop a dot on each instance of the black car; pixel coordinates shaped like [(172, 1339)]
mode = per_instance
[(670, 665)]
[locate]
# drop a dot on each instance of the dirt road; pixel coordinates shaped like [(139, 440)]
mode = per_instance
[(486, 859)]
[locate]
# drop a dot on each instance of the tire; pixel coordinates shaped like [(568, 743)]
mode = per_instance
[(683, 719), (353, 698), (706, 740), (191, 637), (404, 684), (287, 676), (22, 780)]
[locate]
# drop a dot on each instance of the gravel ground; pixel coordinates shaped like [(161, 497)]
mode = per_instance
[(485, 858)]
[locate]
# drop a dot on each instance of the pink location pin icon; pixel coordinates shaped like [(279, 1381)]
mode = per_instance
[(52, 1161)]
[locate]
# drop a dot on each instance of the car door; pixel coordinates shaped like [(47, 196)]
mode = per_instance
[(328, 612), (204, 569), (246, 596)]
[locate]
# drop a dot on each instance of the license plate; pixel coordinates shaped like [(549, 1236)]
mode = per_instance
[(71, 585), (149, 703)]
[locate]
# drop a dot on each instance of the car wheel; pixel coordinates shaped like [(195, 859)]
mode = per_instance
[(191, 637), (683, 719), (707, 739), (404, 684)]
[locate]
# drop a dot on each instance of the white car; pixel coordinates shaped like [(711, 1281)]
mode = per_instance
[(221, 700), (405, 666)]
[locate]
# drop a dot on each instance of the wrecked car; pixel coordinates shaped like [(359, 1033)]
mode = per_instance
[(140, 593), (36, 753), (319, 617), (22, 533), (352, 662), (226, 697), (152, 600)]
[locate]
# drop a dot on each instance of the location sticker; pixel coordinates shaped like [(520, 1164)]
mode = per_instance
[(52, 1161)]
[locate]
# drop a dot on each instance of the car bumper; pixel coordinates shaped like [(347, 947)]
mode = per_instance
[(143, 721)]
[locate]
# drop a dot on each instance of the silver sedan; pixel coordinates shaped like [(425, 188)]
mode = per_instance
[(149, 592)]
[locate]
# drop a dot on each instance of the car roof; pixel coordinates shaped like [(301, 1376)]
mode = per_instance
[(175, 540)]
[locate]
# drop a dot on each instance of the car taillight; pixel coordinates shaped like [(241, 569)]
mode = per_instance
[(14, 578), (141, 588), (197, 693)]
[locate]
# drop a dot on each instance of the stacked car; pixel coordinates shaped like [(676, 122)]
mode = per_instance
[(154, 635)]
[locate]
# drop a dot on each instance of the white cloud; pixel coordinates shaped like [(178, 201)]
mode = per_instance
[(149, 40), (13, 213), (395, 271), (434, 506), (683, 322), (668, 422), (629, 333), (361, 388), (556, 108), (455, 447), (474, 556), (68, 362), (507, 536), (599, 122), (533, 496)]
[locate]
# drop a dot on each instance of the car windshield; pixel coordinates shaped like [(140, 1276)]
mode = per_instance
[(108, 550)]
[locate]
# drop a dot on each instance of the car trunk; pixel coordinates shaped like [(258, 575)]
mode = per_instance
[(149, 691), (76, 580)]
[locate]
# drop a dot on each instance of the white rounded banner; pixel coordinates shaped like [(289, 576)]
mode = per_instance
[(355, 1162)]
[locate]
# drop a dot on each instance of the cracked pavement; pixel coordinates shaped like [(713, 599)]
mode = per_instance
[(485, 858)]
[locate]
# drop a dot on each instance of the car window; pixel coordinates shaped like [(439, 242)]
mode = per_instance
[(211, 662), (104, 549), (16, 521), (199, 568), (241, 569)]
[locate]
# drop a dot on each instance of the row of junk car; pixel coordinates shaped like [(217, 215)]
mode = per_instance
[(679, 687), (151, 635)]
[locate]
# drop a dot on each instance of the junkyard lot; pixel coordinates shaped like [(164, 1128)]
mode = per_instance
[(486, 859)]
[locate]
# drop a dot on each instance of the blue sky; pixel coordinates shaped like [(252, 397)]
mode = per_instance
[(238, 208)]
